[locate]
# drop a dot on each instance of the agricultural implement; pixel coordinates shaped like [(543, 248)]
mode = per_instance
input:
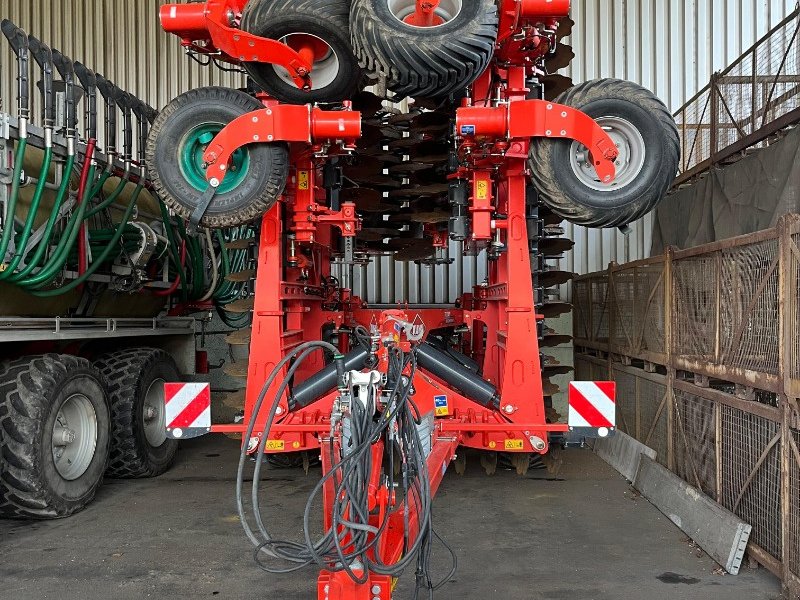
[(480, 156)]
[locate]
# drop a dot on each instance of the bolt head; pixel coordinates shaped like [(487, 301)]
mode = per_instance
[(214, 182), (508, 409)]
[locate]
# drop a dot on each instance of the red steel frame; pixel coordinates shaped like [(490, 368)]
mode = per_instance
[(292, 305)]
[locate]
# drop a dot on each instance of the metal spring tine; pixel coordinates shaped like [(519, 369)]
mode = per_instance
[(18, 40), (44, 57), (88, 81)]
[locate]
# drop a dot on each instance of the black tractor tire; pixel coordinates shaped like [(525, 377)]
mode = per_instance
[(424, 62), (327, 20), (32, 392), (569, 196), (129, 375), (173, 130)]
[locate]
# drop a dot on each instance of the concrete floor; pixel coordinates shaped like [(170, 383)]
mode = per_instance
[(583, 535)]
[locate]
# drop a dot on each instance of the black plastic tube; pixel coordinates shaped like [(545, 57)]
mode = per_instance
[(458, 376)]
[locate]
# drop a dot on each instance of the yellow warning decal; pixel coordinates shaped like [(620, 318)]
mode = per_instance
[(275, 444), (482, 191), (514, 445), (302, 180)]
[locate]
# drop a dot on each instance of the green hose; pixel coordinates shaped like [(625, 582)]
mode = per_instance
[(111, 199), (32, 212), (41, 247), (174, 250), (11, 207), (103, 256), (56, 262)]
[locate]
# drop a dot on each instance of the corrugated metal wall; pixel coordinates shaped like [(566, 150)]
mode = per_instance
[(670, 46)]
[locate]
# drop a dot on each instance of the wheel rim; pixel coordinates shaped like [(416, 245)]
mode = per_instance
[(74, 437), (192, 148), (154, 414), (629, 163), (323, 58), (404, 11)]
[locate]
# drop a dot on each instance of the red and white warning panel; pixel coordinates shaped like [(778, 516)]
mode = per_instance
[(593, 408), (188, 409)]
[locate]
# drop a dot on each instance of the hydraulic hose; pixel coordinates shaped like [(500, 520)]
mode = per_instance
[(173, 247), (51, 268), (41, 247), (11, 207), (214, 268), (103, 255), (32, 211), (112, 197), (173, 288)]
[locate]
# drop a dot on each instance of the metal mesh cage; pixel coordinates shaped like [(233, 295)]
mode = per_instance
[(626, 402), (793, 533), (694, 441), (751, 475), (695, 297), (748, 307), (755, 91)]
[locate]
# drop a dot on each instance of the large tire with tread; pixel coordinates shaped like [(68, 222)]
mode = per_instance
[(257, 174), (41, 396), (647, 136), (326, 20), (424, 61), (134, 379)]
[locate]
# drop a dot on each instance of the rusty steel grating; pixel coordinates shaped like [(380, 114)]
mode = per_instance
[(792, 308), (583, 370), (653, 418), (581, 298), (599, 309), (695, 297), (694, 441), (626, 402), (793, 532), (650, 291), (751, 475), (749, 307)]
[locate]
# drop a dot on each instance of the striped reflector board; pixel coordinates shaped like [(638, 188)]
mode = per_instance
[(188, 409), (593, 408)]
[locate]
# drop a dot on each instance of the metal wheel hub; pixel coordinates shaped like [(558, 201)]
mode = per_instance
[(74, 437), (324, 60), (192, 148), (406, 12), (154, 414), (629, 163)]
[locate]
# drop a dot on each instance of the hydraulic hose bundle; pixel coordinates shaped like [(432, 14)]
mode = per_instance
[(348, 545)]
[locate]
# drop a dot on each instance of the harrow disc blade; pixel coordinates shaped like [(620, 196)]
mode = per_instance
[(241, 244), (241, 276), (239, 338), (243, 305)]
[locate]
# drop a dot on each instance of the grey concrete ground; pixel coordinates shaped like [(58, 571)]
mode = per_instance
[(583, 535)]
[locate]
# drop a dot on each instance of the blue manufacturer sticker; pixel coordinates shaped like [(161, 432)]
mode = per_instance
[(468, 130), (441, 406)]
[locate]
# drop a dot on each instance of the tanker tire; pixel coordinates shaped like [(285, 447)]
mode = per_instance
[(424, 61), (129, 375), (327, 20), (32, 389), (268, 163), (569, 197)]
